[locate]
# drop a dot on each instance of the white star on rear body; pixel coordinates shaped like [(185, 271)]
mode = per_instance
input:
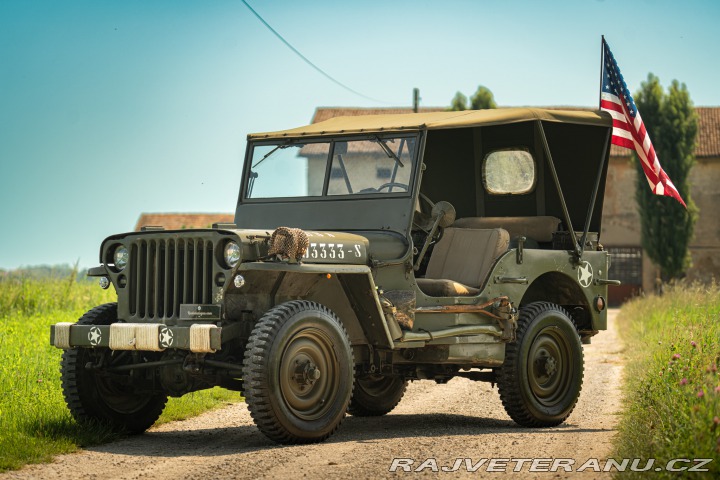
[(585, 274)]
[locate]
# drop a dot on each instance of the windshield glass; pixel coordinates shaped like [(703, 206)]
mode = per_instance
[(377, 165)]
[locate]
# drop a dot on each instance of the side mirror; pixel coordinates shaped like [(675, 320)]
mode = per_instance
[(444, 213)]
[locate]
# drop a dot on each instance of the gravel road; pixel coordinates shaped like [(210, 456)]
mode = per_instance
[(462, 419)]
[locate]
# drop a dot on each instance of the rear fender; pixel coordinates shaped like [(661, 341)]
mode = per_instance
[(563, 290)]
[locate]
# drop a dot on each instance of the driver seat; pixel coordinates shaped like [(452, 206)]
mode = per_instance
[(461, 261)]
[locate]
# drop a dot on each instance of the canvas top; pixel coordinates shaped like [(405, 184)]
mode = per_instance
[(436, 121)]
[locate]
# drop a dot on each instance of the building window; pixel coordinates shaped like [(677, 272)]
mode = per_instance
[(626, 265), (336, 173), (383, 172)]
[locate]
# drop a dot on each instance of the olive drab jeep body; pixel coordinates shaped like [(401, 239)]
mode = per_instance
[(366, 252)]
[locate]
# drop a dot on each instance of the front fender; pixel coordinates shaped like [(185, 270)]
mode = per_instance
[(349, 290)]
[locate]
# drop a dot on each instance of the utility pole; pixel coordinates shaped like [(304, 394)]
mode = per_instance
[(416, 99)]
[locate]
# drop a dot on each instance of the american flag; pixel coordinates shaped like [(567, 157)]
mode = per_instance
[(628, 127)]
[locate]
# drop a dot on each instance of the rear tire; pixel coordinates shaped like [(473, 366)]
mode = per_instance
[(541, 378), (92, 395), (298, 373), (376, 395)]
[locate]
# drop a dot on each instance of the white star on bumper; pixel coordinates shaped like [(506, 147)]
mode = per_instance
[(94, 336)]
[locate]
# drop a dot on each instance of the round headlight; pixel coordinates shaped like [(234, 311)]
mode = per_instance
[(232, 254), (121, 257)]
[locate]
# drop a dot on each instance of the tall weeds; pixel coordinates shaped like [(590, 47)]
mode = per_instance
[(672, 391), (35, 423)]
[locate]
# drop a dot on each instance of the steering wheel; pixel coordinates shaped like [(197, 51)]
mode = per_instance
[(423, 221), (389, 185)]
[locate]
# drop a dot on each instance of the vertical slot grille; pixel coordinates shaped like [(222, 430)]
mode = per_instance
[(165, 273)]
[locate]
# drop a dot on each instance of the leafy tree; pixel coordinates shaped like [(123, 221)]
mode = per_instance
[(667, 228), (483, 98), (459, 102)]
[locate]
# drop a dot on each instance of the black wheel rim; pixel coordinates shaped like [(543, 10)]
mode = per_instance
[(376, 385), (114, 393), (549, 366), (309, 374)]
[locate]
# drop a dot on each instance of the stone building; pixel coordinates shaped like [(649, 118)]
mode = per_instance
[(621, 220)]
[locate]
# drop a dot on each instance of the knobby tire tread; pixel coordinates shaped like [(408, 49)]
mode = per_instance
[(509, 383)]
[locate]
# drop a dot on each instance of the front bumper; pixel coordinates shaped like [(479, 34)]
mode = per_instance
[(155, 337)]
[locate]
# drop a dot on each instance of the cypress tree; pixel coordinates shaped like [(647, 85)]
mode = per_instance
[(667, 228)]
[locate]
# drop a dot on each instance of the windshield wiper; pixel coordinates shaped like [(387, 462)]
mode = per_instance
[(284, 145), (251, 183), (387, 150)]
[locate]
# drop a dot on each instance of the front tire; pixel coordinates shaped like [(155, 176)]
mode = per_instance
[(541, 378), (376, 395), (97, 396), (298, 373)]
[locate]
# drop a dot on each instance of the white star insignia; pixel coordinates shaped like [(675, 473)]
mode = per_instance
[(94, 336), (585, 274), (166, 337)]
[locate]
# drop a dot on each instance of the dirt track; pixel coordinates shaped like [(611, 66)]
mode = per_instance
[(462, 419)]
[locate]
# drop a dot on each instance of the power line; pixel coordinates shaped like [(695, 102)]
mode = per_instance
[(306, 60)]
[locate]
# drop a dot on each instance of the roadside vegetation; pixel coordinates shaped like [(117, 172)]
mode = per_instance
[(35, 423), (672, 386)]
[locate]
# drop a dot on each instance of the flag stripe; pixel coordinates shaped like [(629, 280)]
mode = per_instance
[(623, 142), (610, 97), (617, 115)]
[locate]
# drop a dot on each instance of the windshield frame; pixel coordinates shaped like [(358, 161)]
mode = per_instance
[(376, 137)]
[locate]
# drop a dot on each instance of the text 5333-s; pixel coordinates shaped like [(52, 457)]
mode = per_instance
[(332, 251)]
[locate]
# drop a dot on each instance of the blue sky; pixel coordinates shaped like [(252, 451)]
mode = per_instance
[(113, 108)]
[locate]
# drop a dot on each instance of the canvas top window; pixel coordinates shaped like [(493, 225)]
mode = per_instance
[(376, 165), (509, 171)]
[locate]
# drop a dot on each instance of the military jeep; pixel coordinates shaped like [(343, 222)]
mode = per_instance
[(366, 252)]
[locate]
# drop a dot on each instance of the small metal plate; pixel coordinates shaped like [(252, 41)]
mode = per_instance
[(200, 313)]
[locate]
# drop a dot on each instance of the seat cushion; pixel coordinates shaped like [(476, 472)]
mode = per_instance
[(465, 255), (445, 288), (538, 228)]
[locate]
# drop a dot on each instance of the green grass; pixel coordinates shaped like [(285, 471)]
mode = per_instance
[(672, 387), (35, 423)]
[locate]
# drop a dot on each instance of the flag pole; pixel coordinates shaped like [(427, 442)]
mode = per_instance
[(602, 54), (601, 166)]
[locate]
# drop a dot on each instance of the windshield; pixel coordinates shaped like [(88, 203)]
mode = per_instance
[(376, 165)]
